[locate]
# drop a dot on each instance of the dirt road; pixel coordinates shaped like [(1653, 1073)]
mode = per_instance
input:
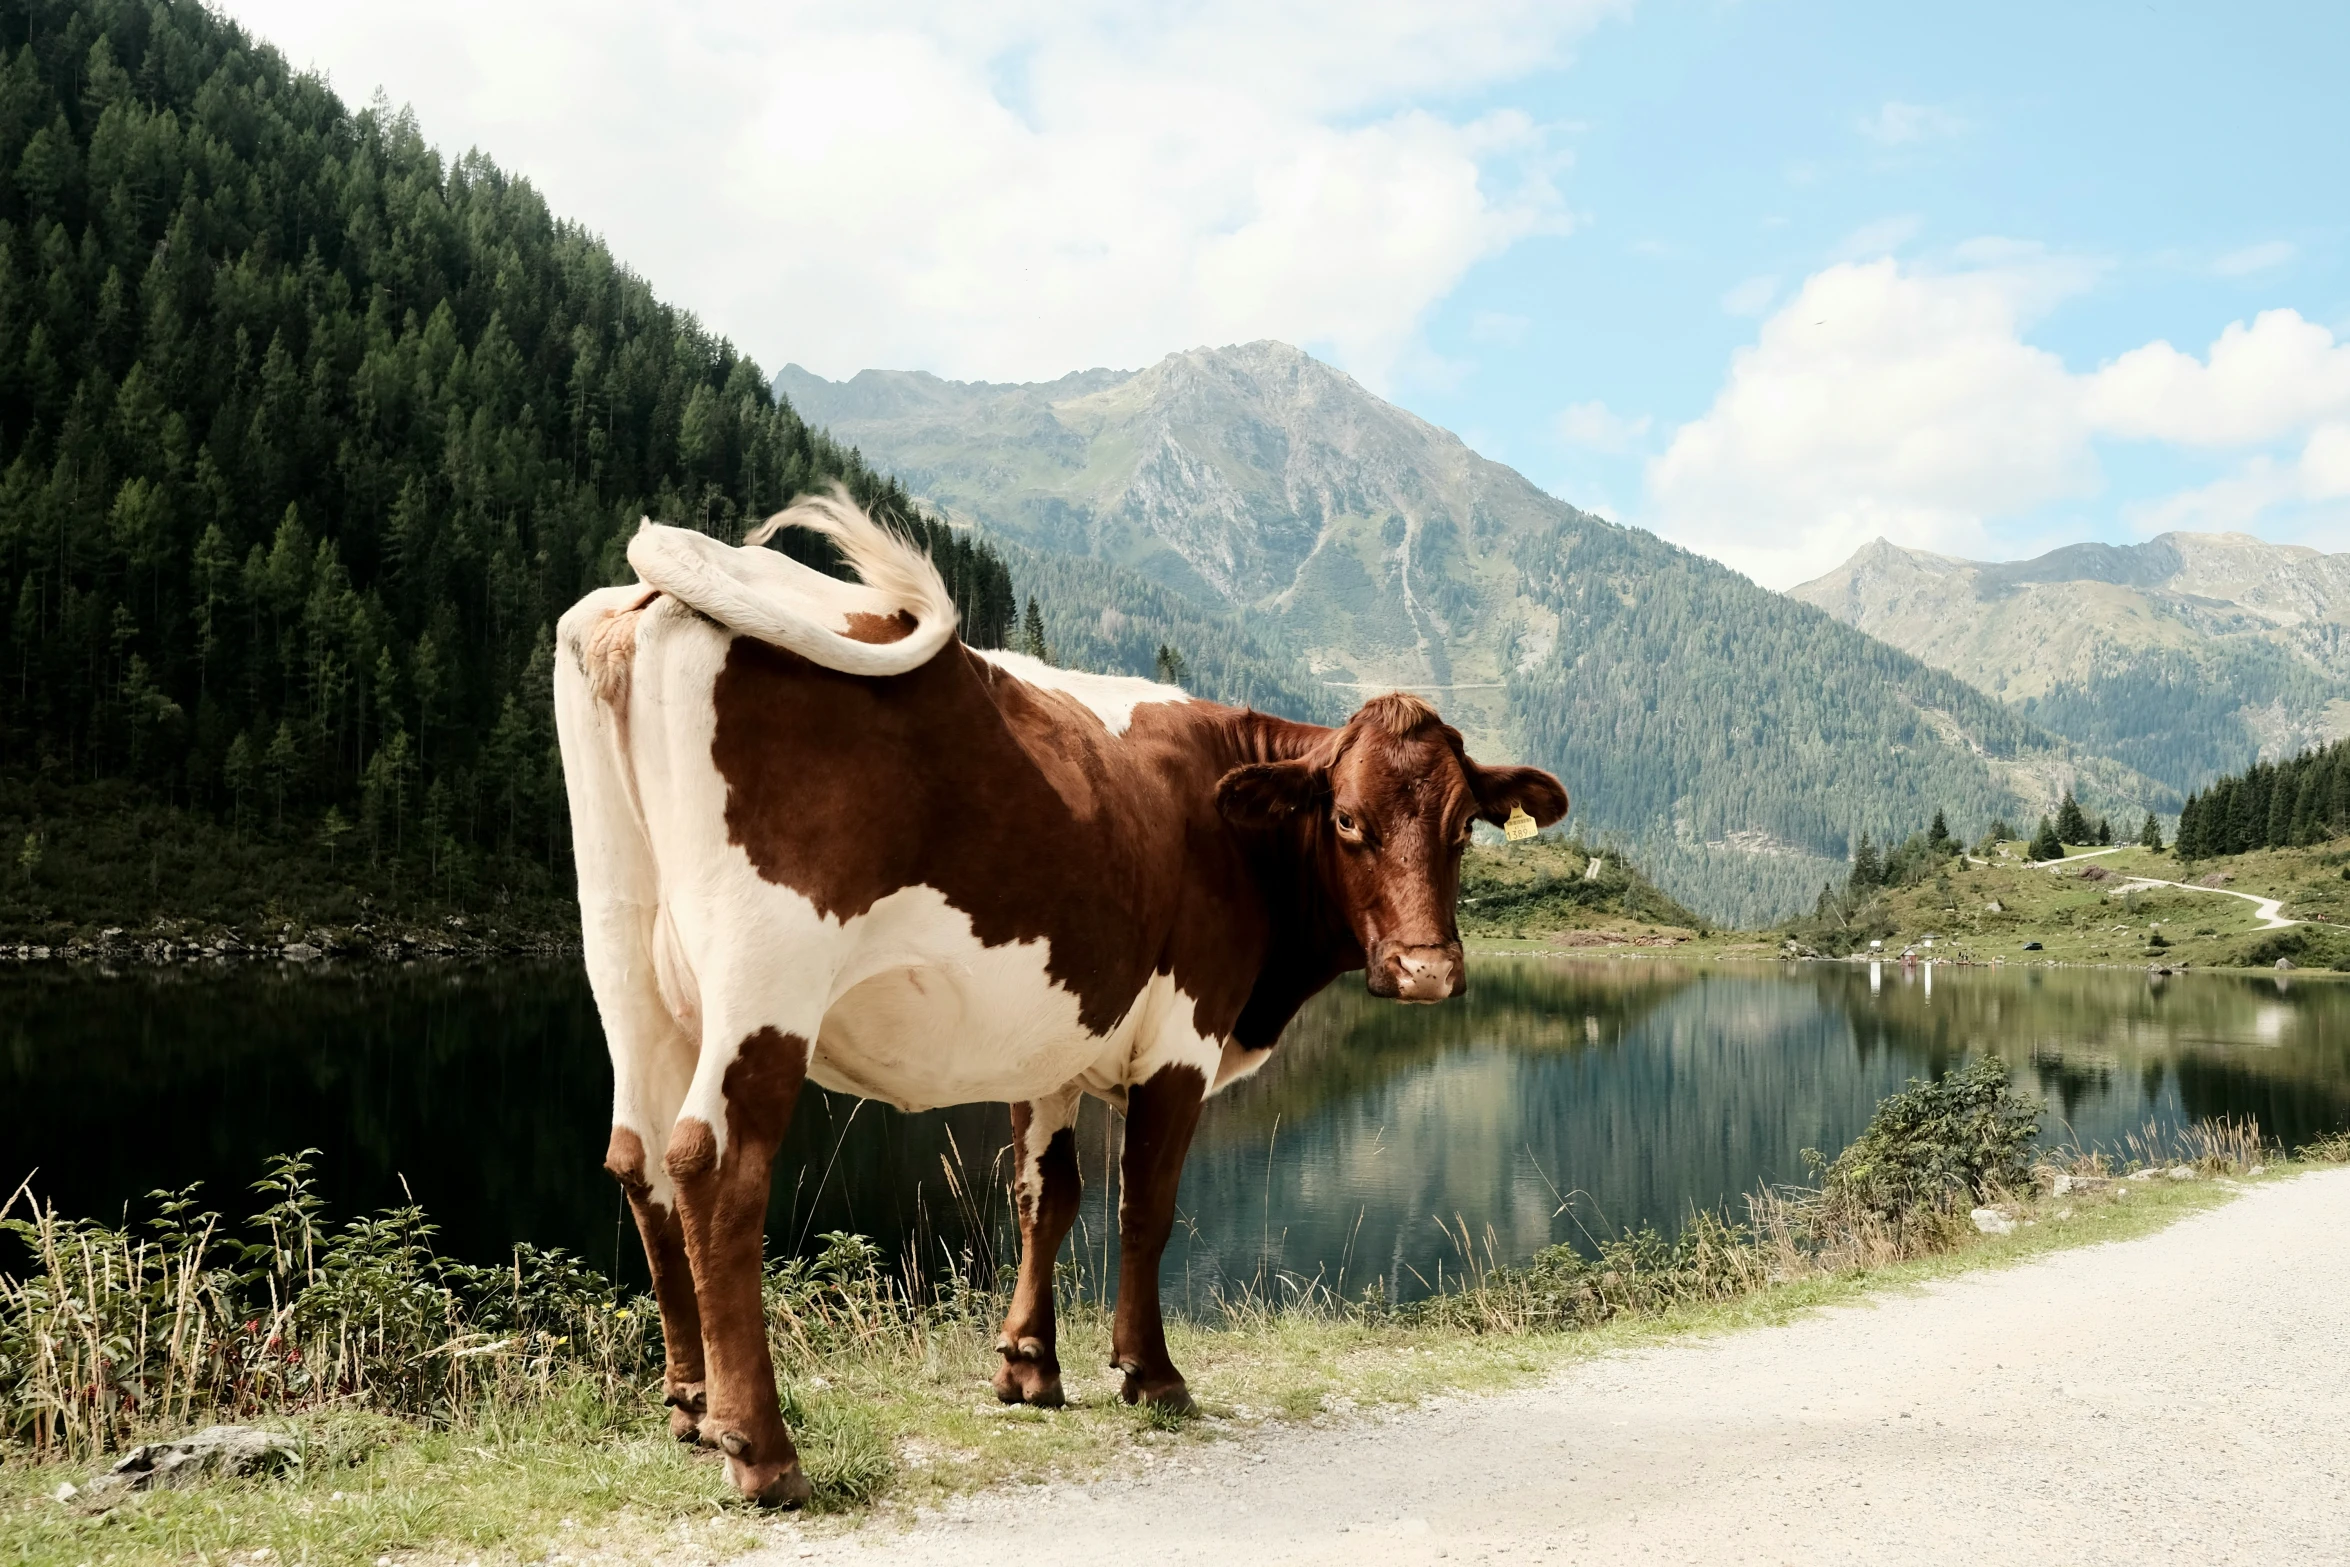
[(2181, 1398)]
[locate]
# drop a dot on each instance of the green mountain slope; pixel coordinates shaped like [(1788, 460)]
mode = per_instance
[(1113, 620), (1732, 739), (2185, 657), (306, 438)]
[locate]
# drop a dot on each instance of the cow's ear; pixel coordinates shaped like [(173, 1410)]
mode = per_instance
[(1265, 794), (1501, 790)]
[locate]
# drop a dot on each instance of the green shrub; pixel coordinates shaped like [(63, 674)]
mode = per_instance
[(2306, 945), (1937, 1146)]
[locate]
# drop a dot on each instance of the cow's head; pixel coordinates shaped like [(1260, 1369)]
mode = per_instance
[(1384, 807)]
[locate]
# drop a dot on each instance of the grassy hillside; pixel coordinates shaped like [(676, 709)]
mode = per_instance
[(1553, 885), (2087, 910)]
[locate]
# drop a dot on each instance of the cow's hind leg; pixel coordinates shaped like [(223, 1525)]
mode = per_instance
[(1044, 1143), (649, 1033), (1160, 1117), (652, 1201), (720, 1157)]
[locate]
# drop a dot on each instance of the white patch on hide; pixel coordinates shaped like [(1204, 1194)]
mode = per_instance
[(1110, 698), (1048, 1117)]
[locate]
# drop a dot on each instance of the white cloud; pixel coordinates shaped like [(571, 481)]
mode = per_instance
[(2259, 383), (1594, 427), (1877, 401), (1751, 297), (2256, 258), (1897, 124), (1002, 191), (1906, 403)]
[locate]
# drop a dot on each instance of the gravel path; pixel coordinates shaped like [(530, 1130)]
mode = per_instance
[(2266, 908), (2172, 1399)]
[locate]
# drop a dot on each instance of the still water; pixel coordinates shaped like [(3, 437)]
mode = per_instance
[(1558, 1099)]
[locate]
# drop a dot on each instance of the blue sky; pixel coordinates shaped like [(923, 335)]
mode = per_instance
[(1771, 278), (2189, 160)]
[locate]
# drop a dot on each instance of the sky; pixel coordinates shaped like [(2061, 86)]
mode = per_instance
[(1773, 279)]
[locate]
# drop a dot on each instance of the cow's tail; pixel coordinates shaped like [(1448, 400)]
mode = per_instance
[(766, 595)]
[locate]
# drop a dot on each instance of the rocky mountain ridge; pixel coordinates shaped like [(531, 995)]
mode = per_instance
[(2186, 656)]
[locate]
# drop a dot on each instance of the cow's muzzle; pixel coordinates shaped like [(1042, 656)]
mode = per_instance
[(1418, 973)]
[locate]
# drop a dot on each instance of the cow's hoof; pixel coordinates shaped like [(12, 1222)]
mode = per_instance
[(1163, 1391), (770, 1485), (687, 1405), (1030, 1382)]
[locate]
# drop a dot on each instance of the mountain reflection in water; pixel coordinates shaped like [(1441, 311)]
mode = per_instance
[(1557, 1098)]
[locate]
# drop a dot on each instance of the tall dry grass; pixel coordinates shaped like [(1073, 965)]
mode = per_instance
[(107, 1333)]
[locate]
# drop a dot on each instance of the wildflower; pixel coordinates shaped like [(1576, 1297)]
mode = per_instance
[(622, 1312)]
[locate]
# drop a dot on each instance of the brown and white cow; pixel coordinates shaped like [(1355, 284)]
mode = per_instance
[(821, 840)]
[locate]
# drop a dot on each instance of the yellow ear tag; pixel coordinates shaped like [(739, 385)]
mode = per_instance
[(1520, 826)]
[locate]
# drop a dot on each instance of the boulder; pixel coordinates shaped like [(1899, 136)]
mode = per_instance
[(1992, 1222), (216, 1452), (2182, 1172), (2283, 964)]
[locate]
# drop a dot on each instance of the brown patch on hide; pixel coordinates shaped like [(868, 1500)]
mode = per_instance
[(693, 1149), (865, 627)]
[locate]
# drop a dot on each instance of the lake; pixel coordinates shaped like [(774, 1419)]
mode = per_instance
[(1558, 1099)]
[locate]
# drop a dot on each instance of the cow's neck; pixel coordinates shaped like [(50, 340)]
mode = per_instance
[(1308, 942)]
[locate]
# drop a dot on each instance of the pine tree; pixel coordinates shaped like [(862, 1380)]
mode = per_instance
[(2104, 832), (2045, 844), (1866, 871), (1938, 836), (2072, 825), (1171, 668), (2150, 835), (1032, 640)]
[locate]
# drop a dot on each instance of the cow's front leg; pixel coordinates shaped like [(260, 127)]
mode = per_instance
[(1160, 1117), (1045, 1186), (720, 1163)]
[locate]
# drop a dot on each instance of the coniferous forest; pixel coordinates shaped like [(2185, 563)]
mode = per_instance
[(306, 439), (2275, 805)]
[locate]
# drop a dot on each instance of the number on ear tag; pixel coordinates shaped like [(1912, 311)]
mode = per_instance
[(1520, 826)]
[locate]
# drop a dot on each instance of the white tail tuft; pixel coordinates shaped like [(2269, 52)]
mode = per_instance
[(774, 598)]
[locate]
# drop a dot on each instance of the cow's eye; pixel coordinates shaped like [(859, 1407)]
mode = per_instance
[(1347, 824)]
